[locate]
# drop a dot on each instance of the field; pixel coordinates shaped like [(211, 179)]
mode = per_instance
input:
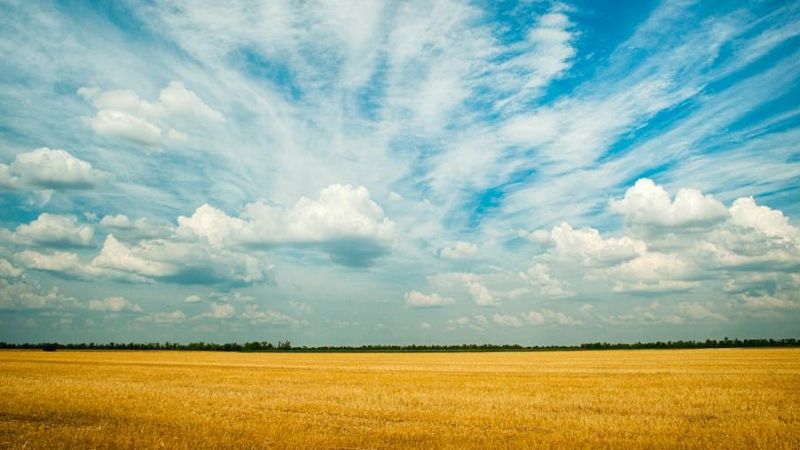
[(720, 398)]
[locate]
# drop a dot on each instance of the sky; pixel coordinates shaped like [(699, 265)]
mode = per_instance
[(346, 173)]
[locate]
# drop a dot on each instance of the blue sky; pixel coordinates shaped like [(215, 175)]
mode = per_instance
[(365, 172)]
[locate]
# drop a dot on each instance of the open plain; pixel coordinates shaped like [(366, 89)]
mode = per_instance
[(718, 398)]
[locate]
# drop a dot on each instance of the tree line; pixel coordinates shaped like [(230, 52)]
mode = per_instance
[(286, 346)]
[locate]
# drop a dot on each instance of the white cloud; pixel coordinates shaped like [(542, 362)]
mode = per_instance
[(46, 168), (507, 321), (417, 299), (746, 213), (718, 247), (193, 298), (164, 318), (481, 294), (257, 316), (113, 304), (126, 126), (7, 270), (22, 294), (120, 221), (212, 224), (221, 311), (301, 307), (343, 222), (122, 114), (141, 227), (587, 247), (477, 322), (117, 256), (55, 230), (697, 311), (459, 250), (548, 316), (648, 204), (538, 275), (654, 272)]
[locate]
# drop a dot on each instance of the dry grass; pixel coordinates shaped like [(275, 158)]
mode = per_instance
[(745, 399)]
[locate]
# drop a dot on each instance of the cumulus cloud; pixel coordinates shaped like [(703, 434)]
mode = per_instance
[(477, 322), (459, 250), (193, 298), (22, 294), (113, 304), (182, 262), (417, 299), (55, 230), (46, 168), (653, 272), (473, 284), (257, 317), (123, 114), (117, 256), (721, 245), (221, 311), (586, 246), (7, 270), (481, 294), (141, 227), (538, 276), (164, 318), (155, 260), (746, 213), (548, 316), (343, 222), (507, 321), (696, 311), (647, 204)]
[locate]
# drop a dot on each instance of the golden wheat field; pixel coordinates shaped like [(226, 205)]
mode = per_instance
[(721, 398)]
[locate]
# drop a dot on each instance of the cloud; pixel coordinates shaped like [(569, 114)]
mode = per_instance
[(550, 316), (7, 270), (113, 304), (652, 272), (122, 114), (481, 294), (587, 247), (648, 204), (746, 238), (343, 222), (193, 298), (141, 227), (301, 307), (56, 231), (182, 262), (117, 256), (746, 213), (507, 321), (221, 311), (155, 260), (697, 311), (459, 250), (538, 275), (164, 318), (212, 224), (22, 294), (477, 322), (46, 168), (417, 299), (256, 316), (473, 284)]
